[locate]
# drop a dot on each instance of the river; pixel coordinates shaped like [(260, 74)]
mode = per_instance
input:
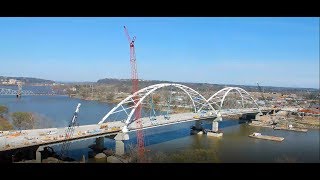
[(234, 146)]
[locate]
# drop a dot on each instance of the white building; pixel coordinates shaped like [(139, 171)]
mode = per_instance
[(12, 81)]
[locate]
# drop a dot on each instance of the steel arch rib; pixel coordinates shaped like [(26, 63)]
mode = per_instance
[(228, 89), (250, 97), (238, 89), (224, 96), (123, 102), (148, 90), (165, 85)]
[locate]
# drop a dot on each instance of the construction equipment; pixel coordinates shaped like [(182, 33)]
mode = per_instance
[(135, 87), (261, 91), (69, 133)]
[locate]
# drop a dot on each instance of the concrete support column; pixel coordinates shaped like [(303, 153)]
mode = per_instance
[(120, 137), (218, 118), (38, 154), (119, 148), (215, 126)]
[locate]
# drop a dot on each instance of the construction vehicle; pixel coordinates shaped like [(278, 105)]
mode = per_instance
[(262, 95)]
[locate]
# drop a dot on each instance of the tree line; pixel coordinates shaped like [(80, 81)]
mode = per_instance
[(20, 120)]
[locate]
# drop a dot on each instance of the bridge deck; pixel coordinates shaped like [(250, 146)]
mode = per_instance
[(26, 138), (19, 139)]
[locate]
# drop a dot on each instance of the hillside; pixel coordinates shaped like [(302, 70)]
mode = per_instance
[(27, 80), (203, 86)]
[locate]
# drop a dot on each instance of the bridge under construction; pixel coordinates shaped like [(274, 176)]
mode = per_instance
[(203, 109)]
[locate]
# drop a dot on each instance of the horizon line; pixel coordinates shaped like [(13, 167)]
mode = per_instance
[(72, 81)]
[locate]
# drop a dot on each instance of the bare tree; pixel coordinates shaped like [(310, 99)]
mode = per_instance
[(110, 96), (23, 120)]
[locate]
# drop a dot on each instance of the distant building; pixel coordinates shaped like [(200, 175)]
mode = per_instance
[(20, 82), (261, 103), (293, 96), (12, 81), (179, 98)]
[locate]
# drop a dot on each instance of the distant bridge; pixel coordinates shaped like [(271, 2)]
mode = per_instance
[(12, 92)]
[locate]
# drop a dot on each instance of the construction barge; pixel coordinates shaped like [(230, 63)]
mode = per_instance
[(260, 136)]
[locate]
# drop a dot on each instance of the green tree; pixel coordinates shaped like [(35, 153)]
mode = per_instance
[(23, 120)]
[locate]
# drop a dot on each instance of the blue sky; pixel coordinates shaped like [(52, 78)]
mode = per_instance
[(271, 51)]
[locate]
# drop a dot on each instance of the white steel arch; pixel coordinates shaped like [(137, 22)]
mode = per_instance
[(218, 98), (198, 101)]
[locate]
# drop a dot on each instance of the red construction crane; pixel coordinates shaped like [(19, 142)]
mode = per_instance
[(135, 88)]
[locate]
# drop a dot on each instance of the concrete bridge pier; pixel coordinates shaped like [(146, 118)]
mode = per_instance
[(120, 138), (215, 123), (215, 127), (218, 118), (38, 154)]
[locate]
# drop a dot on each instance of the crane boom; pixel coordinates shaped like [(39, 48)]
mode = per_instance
[(260, 89), (69, 133), (135, 88), (127, 34)]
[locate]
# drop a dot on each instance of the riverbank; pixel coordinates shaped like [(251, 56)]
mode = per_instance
[(113, 101), (309, 122)]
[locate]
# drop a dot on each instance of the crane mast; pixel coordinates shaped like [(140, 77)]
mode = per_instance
[(262, 95), (135, 88)]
